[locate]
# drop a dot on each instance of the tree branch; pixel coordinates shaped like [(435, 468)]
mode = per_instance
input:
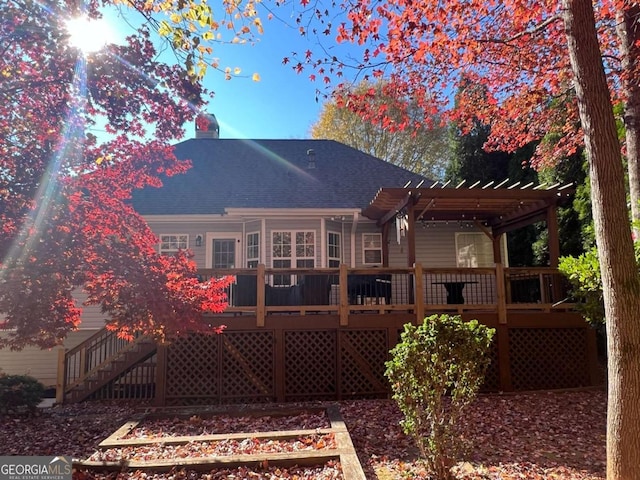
[(531, 32)]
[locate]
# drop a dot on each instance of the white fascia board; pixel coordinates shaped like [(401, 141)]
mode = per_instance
[(201, 218), (258, 213), (292, 212)]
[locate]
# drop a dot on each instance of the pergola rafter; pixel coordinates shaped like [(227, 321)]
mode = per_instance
[(498, 209)]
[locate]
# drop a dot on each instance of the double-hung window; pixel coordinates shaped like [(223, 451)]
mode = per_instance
[(372, 248)]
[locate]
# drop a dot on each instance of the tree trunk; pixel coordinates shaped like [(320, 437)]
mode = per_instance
[(628, 28), (620, 279)]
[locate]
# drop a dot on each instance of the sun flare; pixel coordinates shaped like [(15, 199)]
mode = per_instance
[(89, 34)]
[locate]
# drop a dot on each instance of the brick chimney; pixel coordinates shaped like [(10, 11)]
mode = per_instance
[(207, 126)]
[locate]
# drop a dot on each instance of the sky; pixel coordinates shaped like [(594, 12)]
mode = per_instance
[(282, 105)]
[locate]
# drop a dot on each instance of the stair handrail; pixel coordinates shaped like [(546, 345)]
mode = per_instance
[(80, 362)]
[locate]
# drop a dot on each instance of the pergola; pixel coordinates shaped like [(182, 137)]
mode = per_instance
[(494, 210)]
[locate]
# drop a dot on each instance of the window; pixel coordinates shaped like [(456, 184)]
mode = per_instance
[(372, 248), (334, 249), (474, 250), (253, 250), (305, 249), (292, 248), (171, 243), (224, 252)]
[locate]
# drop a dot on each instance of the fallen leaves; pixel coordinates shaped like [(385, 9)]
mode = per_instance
[(511, 437), (525, 436), (201, 449), (196, 425), (332, 470)]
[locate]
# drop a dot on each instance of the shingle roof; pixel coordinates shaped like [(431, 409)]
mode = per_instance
[(230, 173)]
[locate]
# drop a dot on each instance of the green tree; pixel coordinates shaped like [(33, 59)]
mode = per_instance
[(575, 221), (471, 163), (423, 149)]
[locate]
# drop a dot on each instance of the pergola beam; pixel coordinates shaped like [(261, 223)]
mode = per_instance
[(391, 214)]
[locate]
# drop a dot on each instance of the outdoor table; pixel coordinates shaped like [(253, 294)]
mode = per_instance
[(454, 290)]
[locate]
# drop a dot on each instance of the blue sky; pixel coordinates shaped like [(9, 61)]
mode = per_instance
[(282, 105)]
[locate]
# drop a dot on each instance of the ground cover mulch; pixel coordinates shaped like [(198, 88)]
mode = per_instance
[(524, 436)]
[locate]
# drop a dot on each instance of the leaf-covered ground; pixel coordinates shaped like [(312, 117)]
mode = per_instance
[(532, 436), (525, 436), (202, 425), (198, 449)]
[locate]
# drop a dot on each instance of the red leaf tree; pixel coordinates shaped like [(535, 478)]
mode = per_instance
[(66, 222), (551, 72)]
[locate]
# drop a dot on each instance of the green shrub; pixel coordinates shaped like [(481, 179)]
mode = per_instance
[(435, 371), (19, 393), (583, 273)]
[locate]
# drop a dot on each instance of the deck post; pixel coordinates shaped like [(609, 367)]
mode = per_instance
[(344, 295), (385, 244), (161, 375), (260, 295), (61, 376), (554, 252), (501, 294), (502, 332), (554, 237), (419, 294)]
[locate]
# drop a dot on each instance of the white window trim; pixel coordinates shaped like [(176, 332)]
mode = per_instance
[(364, 249), (172, 251), (210, 236)]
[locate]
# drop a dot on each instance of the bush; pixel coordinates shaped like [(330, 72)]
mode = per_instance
[(435, 371), (583, 273), (19, 393)]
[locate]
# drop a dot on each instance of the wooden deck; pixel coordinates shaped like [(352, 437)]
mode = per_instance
[(346, 291), (322, 334)]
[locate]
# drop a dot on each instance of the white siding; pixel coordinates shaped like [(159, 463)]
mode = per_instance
[(193, 230), (92, 317), (40, 364)]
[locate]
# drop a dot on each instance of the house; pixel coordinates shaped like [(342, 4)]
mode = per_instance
[(333, 251)]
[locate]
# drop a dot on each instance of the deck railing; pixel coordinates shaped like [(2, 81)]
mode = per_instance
[(263, 291), (86, 359)]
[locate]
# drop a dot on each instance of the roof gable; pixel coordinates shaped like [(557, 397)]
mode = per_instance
[(232, 173)]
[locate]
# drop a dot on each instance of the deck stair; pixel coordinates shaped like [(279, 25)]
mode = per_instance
[(100, 360)]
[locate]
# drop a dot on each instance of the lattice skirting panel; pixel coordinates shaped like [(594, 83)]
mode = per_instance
[(335, 364), (363, 354), (548, 358), (325, 364), (235, 367), (243, 367)]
